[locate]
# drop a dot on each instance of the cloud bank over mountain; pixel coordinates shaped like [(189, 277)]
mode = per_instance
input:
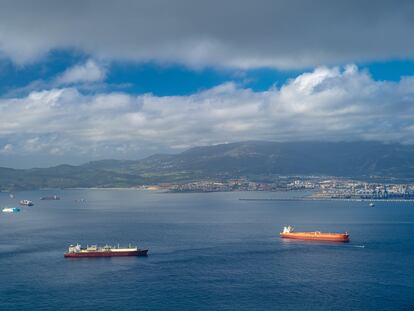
[(324, 104), (82, 96), (240, 34)]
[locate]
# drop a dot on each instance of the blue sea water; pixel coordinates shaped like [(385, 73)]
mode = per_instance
[(208, 251)]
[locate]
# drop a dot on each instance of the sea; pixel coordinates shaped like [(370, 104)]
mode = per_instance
[(207, 251)]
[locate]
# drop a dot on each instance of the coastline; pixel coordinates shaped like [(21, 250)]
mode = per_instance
[(327, 199)]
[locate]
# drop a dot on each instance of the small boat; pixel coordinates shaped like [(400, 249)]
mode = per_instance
[(11, 210), (50, 198), (77, 251), (26, 203), (371, 204), (288, 233)]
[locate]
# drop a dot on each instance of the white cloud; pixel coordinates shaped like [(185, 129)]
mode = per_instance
[(231, 33), (85, 73), (325, 104), (7, 148)]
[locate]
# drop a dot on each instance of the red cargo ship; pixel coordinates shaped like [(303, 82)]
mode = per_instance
[(105, 251), (288, 233)]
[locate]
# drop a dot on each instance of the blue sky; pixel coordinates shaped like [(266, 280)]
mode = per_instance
[(171, 79), (140, 78), (134, 78)]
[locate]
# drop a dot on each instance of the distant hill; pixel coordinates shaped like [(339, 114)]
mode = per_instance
[(254, 159)]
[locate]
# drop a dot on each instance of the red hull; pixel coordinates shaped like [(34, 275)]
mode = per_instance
[(107, 254), (316, 236)]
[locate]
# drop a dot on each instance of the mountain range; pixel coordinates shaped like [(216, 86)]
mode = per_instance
[(256, 160)]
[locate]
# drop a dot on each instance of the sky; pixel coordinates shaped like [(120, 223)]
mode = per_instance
[(87, 80)]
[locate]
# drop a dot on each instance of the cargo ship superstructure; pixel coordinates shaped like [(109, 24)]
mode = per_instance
[(104, 251), (288, 233)]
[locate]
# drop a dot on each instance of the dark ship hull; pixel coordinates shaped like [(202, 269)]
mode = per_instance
[(116, 253)]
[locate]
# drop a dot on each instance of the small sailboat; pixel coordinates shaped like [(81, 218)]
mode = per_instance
[(371, 204)]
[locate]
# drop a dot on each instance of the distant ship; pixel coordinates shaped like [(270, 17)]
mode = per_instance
[(371, 204), (288, 233), (11, 210), (105, 251), (53, 197), (26, 203)]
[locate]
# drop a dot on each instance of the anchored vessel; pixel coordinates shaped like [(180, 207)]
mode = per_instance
[(54, 198), (11, 210), (288, 233), (105, 251), (26, 203)]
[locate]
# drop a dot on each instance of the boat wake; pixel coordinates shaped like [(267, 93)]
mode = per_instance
[(358, 246)]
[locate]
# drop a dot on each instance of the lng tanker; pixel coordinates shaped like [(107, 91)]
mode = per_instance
[(288, 233), (105, 251)]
